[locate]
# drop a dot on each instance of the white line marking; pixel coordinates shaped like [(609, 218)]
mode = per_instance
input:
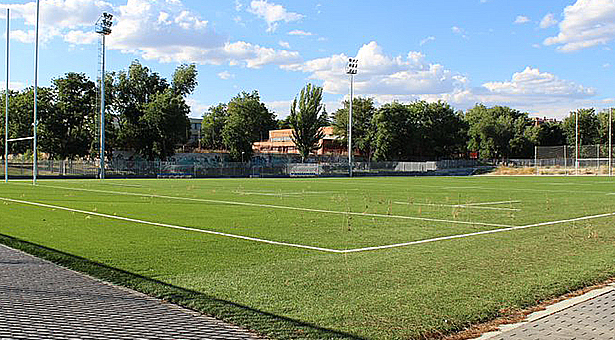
[(492, 203), (169, 225), (458, 206), (356, 250), (284, 207), (266, 194)]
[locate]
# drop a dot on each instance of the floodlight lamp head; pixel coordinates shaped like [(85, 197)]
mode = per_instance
[(352, 66), (104, 23)]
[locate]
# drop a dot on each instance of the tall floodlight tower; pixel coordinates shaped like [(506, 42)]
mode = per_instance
[(103, 27), (351, 70)]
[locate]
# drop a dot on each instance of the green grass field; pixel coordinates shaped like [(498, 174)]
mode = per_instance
[(328, 258)]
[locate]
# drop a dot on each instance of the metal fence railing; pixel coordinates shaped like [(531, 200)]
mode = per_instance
[(160, 169)]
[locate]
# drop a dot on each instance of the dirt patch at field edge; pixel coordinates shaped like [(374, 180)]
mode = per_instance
[(516, 316)]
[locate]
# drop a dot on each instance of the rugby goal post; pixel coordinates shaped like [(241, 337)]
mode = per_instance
[(6, 113)]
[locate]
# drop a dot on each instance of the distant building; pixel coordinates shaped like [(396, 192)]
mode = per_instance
[(195, 130), (539, 121), (281, 142)]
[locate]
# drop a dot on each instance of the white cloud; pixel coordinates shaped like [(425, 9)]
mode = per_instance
[(300, 32), (459, 31), (225, 75), (521, 19), (162, 30), (548, 21), (284, 44), (380, 74), (412, 77), (280, 108), (529, 90), (196, 107), (80, 37), (272, 13), (13, 85), (533, 83), (587, 23), (62, 18), (426, 40)]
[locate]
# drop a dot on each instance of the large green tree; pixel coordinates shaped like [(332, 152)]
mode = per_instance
[(212, 125), (603, 119), (21, 117), (417, 131), (363, 111), (307, 117), (549, 134), (589, 127), (499, 132), (69, 128), (395, 130), (152, 114), (248, 121)]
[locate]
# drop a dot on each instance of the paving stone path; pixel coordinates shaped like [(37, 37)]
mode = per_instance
[(593, 319), (40, 300)]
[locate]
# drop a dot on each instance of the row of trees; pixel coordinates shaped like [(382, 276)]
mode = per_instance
[(146, 114), (149, 115), (396, 131)]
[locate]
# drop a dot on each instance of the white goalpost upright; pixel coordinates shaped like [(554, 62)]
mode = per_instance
[(6, 100), (35, 152), (610, 142)]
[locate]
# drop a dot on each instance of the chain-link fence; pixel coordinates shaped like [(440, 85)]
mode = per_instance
[(564, 159)]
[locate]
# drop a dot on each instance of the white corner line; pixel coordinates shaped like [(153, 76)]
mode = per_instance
[(485, 232), (170, 226), (336, 251)]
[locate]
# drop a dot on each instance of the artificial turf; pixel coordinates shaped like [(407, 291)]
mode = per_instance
[(423, 290)]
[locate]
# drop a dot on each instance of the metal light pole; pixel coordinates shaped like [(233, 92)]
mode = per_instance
[(103, 27), (351, 69), (35, 160), (6, 101)]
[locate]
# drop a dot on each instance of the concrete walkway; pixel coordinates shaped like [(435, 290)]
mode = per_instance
[(40, 300), (590, 316)]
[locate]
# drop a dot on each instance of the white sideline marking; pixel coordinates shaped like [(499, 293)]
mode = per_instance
[(457, 206), (336, 251), (492, 203), (283, 207), (169, 225)]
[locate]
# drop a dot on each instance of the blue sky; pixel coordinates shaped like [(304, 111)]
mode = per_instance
[(542, 57)]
